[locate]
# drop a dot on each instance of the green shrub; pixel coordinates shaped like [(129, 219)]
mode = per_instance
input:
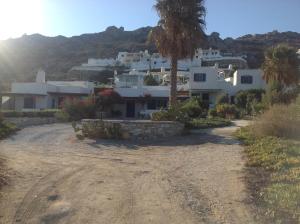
[(200, 123), (193, 108), (62, 116), (6, 129), (149, 80), (228, 111), (172, 114), (212, 113), (246, 100), (182, 112)]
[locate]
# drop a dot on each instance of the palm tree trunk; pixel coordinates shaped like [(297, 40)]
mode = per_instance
[(173, 92)]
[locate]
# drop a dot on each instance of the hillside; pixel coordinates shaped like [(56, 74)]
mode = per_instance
[(20, 58)]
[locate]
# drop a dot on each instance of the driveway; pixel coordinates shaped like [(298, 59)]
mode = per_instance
[(56, 178)]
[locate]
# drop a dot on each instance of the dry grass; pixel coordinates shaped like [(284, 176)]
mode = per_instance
[(280, 121), (274, 149)]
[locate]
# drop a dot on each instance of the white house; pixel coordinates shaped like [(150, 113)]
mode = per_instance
[(144, 61), (204, 82), (43, 94)]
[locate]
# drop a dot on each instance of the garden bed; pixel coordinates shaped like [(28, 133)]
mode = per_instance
[(202, 123)]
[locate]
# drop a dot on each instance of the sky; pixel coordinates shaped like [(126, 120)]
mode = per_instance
[(230, 18)]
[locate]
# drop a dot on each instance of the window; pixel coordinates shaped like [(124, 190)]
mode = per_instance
[(29, 103), (161, 104), (151, 105), (205, 96), (157, 104), (246, 79), (53, 103), (232, 100), (200, 77)]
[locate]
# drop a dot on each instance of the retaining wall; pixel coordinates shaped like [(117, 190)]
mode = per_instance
[(136, 129), (22, 122)]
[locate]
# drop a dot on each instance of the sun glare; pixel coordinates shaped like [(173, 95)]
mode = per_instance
[(20, 16)]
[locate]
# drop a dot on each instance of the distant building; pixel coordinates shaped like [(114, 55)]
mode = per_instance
[(43, 94), (144, 61)]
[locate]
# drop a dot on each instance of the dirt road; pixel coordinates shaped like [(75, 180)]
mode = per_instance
[(58, 179)]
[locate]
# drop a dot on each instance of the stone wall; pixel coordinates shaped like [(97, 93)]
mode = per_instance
[(137, 129), (22, 122)]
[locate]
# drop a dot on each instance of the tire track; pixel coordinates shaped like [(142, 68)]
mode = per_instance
[(33, 197)]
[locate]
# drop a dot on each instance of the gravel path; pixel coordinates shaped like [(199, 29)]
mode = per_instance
[(57, 179)]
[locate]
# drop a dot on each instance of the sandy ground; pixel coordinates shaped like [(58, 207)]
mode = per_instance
[(55, 178)]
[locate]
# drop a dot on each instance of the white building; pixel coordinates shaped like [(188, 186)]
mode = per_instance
[(144, 61), (204, 82), (43, 94)]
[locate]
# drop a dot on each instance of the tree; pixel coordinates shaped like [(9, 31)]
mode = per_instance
[(149, 80), (179, 33), (281, 65), (281, 72)]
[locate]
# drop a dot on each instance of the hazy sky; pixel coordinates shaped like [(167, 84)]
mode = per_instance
[(74, 17)]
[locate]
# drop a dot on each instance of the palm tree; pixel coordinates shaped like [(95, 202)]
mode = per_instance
[(179, 33), (281, 65)]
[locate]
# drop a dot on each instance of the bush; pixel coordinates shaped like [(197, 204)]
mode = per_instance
[(193, 108), (172, 114), (228, 111), (212, 113), (222, 99), (245, 100), (6, 129), (182, 112), (106, 98), (76, 109), (277, 94), (280, 121), (62, 116), (149, 80), (207, 123)]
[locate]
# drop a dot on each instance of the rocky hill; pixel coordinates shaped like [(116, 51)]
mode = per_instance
[(20, 58)]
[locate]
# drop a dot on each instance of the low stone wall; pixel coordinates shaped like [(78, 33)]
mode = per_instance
[(22, 122), (136, 129)]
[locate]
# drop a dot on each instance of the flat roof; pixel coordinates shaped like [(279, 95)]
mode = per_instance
[(22, 94)]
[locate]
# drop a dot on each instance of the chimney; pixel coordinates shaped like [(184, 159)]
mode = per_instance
[(41, 76)]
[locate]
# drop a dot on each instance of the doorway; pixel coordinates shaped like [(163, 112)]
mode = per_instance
[(130, 109)]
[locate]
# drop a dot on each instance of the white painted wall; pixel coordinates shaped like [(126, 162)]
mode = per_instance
[(213, 80), (29, 88), (258, 82)]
